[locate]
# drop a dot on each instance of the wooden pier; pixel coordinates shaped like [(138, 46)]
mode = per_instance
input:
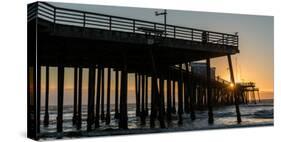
[(60, 37)]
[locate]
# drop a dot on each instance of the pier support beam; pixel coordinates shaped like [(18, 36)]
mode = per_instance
[(74, 117), (154, 92), (142, 99), (79, 114), (254, 95), (188, 88), (153, 100), (248, 97), (259, 95), (235, 95), (107, 119), (174, 97), (169, 101), (116, 94), (97, 119), (185, 103), (180, 96), (209, 93), (60, 99), (102, 94), (38, 99), (192, 97), (46, 117), (91, 96), (94, 93), (123, 121), (152, 109), (161, 102), (146, 95), (137, 87)]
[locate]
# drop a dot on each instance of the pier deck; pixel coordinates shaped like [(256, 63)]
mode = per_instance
[(85, 38)]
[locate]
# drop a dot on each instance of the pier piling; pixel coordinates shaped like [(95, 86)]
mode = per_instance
[(209, 94), (123, 120), (90, 97), (161, 104), (192, 97), (137, 87), (169, 101), (116, 94), (153, 102), (188, 89), (60, 99), (46, 117), (174, 97), (102, 94), (38, 99), (74, 117), (146, 95), (142, 99), (107, 119), (79, 113), (180, 96), (97, 118), (235, 94), (154, 92)]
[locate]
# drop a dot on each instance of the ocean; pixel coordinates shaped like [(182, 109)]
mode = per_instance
[(260, 114)]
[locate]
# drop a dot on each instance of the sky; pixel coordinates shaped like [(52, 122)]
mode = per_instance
[(253, 63)]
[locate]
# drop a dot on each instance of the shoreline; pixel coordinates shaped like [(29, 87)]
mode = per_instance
[(225, 116), (139, 131)]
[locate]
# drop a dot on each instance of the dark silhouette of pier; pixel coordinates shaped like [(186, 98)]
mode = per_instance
[(60, 37), (248, 92)]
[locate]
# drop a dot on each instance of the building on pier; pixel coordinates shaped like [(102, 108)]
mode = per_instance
[(200, 68)]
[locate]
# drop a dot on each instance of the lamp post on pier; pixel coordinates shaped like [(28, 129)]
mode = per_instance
[(165, 18)]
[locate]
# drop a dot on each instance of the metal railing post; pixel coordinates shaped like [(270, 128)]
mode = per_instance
[(110, 23), (226, 40), (134, 26), (54, 22), (207, 36), (223, 39), (237, 41), (174, 31), (37, 10), (191, 34), (84, 20)]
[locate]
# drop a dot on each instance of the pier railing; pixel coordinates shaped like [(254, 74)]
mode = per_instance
[(223, 81), (58, 15), (247, 84)]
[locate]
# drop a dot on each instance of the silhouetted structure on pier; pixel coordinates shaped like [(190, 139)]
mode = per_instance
[(60, 37), (248, 92)]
